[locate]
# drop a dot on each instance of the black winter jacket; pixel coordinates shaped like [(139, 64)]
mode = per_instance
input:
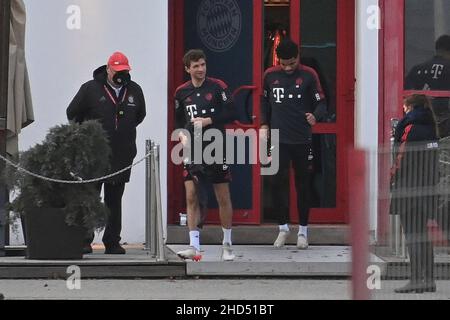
[(415, 173), (96, 100)]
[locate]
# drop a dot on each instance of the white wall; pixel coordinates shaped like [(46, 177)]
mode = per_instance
[(60, 60), (366, 120)]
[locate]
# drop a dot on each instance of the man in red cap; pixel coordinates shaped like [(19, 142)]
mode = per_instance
[(118, 103)]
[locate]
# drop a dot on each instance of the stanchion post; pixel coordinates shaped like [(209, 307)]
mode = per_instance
[(5, 14), (159, 223), (148, 171), (153, 236)]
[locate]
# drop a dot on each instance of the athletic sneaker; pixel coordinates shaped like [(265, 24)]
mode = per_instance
[(190, 254), (302, 242), (227, 252), (281, 239)]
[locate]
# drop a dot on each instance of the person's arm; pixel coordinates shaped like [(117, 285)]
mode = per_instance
[(77, 107), (266, 110), (318, 102), (180, 117), (142, 112)]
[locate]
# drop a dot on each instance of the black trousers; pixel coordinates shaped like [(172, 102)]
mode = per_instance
[(419, 245), (301, 157), (113, 193)]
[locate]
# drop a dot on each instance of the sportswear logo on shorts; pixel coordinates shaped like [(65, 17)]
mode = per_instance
[(224, 96), (219, 24), (318, 98)]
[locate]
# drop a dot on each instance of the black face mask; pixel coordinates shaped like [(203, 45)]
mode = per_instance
[(122, 78)]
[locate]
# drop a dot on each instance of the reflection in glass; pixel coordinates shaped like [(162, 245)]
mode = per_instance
[(318, 48), (427, 53), (324, 177), (441, 107), (427, 44)]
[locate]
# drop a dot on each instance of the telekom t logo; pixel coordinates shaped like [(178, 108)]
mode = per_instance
[(278, 94), (192, 110), (436, 70)]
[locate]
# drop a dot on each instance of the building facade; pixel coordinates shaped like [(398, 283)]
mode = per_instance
[(362, 50)]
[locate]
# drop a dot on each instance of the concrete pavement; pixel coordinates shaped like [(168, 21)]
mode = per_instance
[(208, 289)]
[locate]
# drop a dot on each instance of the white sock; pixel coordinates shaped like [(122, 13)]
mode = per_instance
[(303, 230), (226, 236), (194, 237), (284, 227)]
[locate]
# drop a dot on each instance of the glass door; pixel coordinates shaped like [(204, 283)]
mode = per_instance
[(415, 60), (239, 38), (230, 33), (325, 31)]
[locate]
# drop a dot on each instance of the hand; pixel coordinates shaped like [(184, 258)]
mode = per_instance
[(311, 119), (201, 122)]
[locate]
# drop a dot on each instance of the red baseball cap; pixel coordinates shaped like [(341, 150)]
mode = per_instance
[(118, 62)]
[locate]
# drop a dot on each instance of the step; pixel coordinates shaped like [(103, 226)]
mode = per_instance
[(267, 261), (262, 235), (137, 263)]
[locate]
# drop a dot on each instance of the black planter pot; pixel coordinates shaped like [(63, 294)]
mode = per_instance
[(48, 236)]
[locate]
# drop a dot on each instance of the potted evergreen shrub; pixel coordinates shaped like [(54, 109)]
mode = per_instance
[(58, 216)]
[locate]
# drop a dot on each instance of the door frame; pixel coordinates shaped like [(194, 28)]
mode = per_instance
[(392, 76), (343, 128), (345, 109), (175, 199)]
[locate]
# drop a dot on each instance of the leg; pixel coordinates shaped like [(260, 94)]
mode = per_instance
[(409, 222), (280, 180), (222, 191), (193, 216), (192, 205), (90, 235), (302, 158), (202, 195), (303, 167), (223, 197), (280, 197), (113, 200)]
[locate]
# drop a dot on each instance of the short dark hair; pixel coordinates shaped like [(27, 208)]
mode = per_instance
[(443, 43), (287, 49), (417, 100), (193, 55)]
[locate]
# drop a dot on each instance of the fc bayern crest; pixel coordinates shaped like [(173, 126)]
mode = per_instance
[(219, 24)]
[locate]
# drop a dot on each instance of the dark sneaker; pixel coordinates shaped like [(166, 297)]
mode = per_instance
[(430, 286), (87, 249), (116, 249), (411, 287)]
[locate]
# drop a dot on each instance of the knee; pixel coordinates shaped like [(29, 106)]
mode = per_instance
[(224, 201), (191, 200)]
